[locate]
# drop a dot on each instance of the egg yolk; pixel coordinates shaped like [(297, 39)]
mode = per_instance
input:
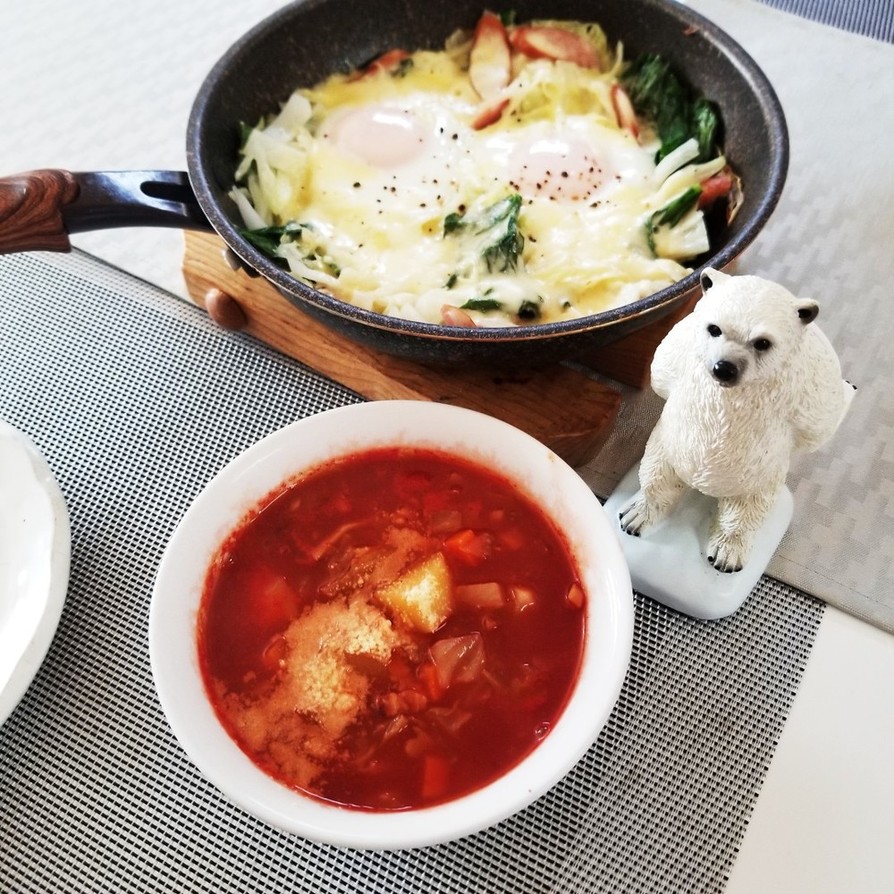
[(562, 168), (382, 136)]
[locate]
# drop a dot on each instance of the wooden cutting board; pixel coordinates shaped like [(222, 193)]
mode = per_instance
[(569, 409)]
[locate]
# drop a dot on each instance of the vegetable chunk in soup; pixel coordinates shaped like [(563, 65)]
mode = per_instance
[(392, 630)]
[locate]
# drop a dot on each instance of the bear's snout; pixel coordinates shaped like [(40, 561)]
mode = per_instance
[(726, 372)]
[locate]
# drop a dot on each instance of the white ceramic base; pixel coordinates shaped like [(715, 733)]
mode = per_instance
[(668, 562)]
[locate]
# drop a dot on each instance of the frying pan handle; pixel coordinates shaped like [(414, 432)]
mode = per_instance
[(31, 211), (39, 209)]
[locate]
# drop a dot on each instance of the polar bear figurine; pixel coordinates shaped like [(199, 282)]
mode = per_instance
[(748, 378)]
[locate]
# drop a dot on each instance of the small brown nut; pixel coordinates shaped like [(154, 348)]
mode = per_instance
[(224, 310)]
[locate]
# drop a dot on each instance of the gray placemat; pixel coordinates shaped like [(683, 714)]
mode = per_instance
[(872, 18), (136, 400)]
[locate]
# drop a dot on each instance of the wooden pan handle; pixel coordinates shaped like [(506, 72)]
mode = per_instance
[(31, 210)]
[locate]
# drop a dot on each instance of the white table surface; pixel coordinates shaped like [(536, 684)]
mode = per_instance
[(89, 86), (825, 815)]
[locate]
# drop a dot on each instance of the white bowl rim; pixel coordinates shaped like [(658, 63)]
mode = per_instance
[(342, 431)]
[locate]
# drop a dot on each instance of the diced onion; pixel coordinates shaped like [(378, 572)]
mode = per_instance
[(682, 155), (483, 596), (458, 659)]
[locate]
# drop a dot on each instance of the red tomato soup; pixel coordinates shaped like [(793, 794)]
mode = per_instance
[(392, 630)]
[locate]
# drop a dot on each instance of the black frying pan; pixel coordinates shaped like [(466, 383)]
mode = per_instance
[(308, 40)]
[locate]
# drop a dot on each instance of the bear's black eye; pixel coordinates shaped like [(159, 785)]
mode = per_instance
[(713, 330), (762, 344)]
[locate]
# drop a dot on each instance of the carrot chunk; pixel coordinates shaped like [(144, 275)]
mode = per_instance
[(428, 676), (468, 546)]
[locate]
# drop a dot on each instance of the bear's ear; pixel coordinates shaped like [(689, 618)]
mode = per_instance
[(808, 310), (709, 278)]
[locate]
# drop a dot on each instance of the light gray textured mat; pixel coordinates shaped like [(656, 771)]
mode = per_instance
[(136, 400), (828, 239)]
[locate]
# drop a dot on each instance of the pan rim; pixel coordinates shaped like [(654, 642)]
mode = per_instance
[(649, 307)]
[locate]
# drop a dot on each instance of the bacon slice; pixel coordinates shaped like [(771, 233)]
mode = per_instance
[(455, 316), (387, 62), (490, 61), (714, 188), (624, 112), (547, 42), (489, 112)]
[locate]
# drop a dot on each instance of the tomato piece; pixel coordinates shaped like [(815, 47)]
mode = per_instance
[(469, 547), (490, 60), (546, 42), (715, 188)]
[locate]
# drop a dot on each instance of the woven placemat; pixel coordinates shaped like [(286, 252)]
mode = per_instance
[(872, 18), (136, 401)]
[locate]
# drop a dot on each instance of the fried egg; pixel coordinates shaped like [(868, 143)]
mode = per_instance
[(577, 161), (379, 135)]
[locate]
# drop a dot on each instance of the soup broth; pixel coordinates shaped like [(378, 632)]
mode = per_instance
[(392, 630)]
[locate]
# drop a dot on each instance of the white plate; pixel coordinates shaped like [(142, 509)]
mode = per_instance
[(35, 551)]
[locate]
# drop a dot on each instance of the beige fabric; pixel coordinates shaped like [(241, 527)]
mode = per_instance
[(832, 239)]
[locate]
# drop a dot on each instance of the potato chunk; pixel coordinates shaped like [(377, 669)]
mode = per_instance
[(422, 595)]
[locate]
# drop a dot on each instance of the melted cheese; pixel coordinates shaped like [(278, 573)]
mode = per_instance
[(372, 167)]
